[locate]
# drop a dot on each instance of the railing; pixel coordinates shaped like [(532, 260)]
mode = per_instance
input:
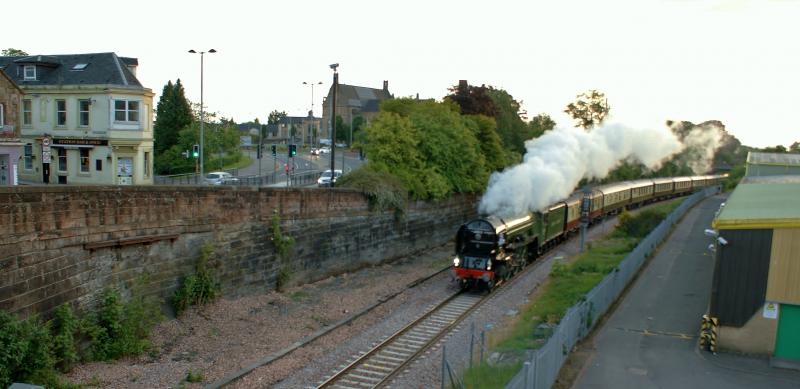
[(277, 179), (542, 367)]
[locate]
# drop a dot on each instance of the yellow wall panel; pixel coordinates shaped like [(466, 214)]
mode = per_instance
[(784, 267)]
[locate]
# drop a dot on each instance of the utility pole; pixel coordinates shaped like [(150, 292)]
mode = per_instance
[(333, 122)]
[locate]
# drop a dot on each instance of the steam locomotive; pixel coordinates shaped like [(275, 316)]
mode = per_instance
[(491, 249)]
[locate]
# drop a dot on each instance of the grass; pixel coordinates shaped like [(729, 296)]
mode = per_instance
[(243, 162), (567, 285)]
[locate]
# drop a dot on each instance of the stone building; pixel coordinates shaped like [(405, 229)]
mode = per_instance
[(10, 144), (351, 102), (84, 119)]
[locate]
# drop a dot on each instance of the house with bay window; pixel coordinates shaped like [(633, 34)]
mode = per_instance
[(83, 119)]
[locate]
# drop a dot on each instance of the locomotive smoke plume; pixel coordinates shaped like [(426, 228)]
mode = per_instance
[(555, 163)]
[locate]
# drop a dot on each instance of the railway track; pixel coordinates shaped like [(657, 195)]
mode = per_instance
[(379, 365)]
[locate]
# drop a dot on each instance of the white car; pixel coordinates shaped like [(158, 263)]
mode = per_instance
[(220, 178), (324, 150), (325, 179)]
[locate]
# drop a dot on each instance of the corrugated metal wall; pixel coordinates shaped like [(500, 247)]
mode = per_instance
[(740, 275), (784, 270)]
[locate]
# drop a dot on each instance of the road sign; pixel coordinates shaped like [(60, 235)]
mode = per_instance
[(45, 157), (46, 144)]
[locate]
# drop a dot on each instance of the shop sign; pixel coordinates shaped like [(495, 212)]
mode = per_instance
[(80, 142)]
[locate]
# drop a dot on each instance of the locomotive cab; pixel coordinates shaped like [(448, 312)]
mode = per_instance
[(477, 246)]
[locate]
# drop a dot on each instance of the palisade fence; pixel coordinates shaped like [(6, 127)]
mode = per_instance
[(541, 369)]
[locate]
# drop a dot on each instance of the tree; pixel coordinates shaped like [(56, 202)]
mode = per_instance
[(173, 113), (541, 123), (472, 100), (11, 52), (589, 110), (510, 126), (276, 116), (795, 147)]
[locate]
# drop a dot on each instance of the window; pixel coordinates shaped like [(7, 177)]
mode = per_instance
[(27, 112), (29, 72), (62, 159), (80, 66), (2, 117), (147, 164), (98, 165), (126, 111), (83, 110), (28, 156), (61, 112), (84, 160)]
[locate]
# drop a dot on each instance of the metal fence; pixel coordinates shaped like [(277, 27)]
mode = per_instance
[(543, 365), (298, 178)]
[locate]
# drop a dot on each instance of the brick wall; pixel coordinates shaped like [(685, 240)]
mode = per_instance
[(66, 244)]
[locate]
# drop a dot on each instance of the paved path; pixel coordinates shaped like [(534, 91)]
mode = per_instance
[(667, 302)]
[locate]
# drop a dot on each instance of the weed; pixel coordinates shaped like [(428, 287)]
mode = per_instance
[(194, 377), (283, 247), (198, 288)]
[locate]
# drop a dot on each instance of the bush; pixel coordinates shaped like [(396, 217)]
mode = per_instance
[(640, 225), (118, 329), (283, 247), (384, 190), (24, 348), (65, 326), (198, 288)]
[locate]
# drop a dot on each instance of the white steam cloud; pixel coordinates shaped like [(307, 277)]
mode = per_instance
[(555, 163)]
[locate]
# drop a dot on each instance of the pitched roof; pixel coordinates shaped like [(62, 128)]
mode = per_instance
[(10, 80), (99, 69)]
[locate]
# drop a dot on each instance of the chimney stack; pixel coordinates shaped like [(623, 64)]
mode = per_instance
[(386, 85)]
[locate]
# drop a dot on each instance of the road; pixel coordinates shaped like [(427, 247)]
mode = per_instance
[(650, 341), (302, 162)]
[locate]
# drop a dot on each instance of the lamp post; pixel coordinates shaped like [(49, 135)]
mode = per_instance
[(311, 112), (202, 112), (333, 122)]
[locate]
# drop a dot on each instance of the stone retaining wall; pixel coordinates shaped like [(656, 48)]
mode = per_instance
[(66, 244)]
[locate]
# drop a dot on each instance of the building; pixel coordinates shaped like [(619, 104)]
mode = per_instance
[(772, 164), (10, 144), (756, 287), (84, 119), (301, 130), (351, 102)]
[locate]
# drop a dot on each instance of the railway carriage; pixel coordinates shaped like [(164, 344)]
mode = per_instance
[(683, 185), (615, 197), (663, 188), (641, 191), (573, 222)]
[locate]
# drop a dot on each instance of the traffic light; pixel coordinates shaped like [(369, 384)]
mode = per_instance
[(196, 151), (292, 151), (274, 150), (258, 151)]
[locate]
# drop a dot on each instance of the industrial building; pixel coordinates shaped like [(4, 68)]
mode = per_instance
[(755, 294)]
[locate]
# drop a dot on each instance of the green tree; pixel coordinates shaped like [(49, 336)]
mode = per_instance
[(276, 116), (795, 147), (173, 113), (510, 126), (491, 147), (11, 52), (541, 123), (589, 110)]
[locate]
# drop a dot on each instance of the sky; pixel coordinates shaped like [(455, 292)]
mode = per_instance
[(735, 61)]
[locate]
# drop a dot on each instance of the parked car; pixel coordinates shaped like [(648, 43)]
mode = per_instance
[(325, 179), (324, 150), (341, 145), (220, 178), (314, 151)]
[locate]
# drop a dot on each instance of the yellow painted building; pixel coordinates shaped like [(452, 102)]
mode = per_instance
[(84, 119)]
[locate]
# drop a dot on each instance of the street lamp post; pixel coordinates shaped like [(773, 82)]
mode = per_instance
[(311, 112), (333, 122), (202, 112)]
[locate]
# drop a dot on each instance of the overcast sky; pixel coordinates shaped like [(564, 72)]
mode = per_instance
[(735, 61)]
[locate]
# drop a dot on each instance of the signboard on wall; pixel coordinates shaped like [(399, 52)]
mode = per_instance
[(770, 310), (124, 171)]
